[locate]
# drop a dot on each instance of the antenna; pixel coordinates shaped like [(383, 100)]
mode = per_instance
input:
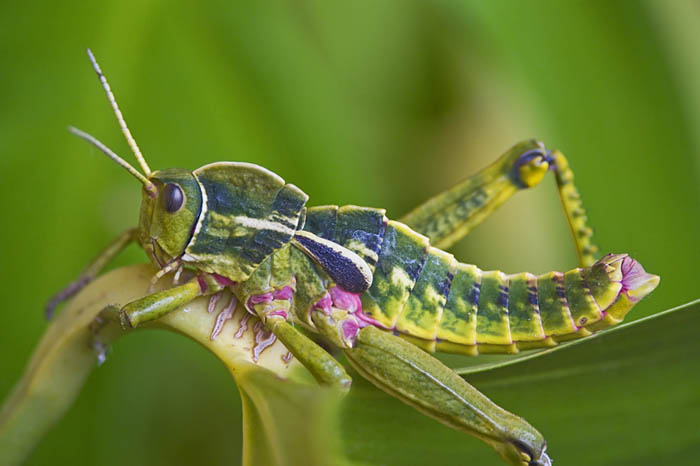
[(120, 118), (148, 184)]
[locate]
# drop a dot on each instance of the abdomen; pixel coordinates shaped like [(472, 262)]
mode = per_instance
[(423, 294)]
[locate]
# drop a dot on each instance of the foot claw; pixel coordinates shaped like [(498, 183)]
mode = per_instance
[(65, 294)]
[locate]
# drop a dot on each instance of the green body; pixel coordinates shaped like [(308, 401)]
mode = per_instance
[(245, 219), (359, 279)]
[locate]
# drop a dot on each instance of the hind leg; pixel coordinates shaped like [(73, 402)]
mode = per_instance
[(452, 214)]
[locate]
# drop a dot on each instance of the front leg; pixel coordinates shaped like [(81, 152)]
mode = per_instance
[(156, 305), (325, 369), (146, 309), (91, 271), (421, 381)]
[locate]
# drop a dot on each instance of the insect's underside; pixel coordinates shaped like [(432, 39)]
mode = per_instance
[(359, 279)]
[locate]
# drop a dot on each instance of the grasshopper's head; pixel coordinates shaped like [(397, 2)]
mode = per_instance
[(169, 213)]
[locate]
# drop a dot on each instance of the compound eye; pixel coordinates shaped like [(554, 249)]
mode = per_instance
[(172, 198)]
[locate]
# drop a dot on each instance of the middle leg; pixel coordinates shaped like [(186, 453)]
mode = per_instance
[(273, 309)]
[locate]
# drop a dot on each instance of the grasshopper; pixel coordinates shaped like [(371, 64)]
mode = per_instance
[(380, 290)]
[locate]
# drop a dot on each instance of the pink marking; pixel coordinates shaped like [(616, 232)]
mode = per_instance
[(352, 303), (350, 330), (287, 357), (285, 293), (202, 284), (223, 281), (259, 298), (365, 321), (280, 312), (324, 304), (633, 276), (342, 299)]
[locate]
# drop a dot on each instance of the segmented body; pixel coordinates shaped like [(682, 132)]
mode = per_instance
[(254, 229), (425, 295)]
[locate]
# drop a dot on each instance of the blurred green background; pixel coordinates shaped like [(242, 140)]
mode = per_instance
[(378, 103)]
